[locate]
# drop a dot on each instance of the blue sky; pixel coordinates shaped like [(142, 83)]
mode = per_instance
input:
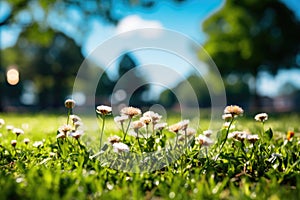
[(185, 18)]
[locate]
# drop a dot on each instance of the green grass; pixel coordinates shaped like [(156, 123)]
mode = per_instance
[(240, 171)]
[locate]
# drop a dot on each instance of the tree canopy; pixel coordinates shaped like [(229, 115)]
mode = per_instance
[(246, 36), (51, 68)]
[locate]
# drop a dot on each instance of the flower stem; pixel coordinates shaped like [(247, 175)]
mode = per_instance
[(185, 138), (227, 132), (147, 131), (130, 118), (138, 139), (176, 140), (122, 126), (102, 130), (68, 117), (262, 132)]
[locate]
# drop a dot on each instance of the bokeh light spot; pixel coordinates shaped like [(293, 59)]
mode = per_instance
[(12, 76)]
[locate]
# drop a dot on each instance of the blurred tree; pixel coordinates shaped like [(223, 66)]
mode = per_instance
[(127, 79), (97, 8), (237, 92), (105, 86), (133, 79), (247, 36), (182, 91), (50, 63), (199, 87), (167, 98)]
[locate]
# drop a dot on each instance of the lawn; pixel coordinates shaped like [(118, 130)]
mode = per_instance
[(242, 159)]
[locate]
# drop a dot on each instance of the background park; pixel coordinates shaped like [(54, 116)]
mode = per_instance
[(255, 47)]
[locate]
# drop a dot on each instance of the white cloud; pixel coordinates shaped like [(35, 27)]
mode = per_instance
[(134, 22)]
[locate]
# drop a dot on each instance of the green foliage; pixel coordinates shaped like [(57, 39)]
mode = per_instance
[(269, 134), (167, 98), (248, 36), (266, 169), (48, 59), (87, 10), (237, 92), (183, 89)]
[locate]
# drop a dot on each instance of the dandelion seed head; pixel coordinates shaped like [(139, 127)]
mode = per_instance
[(181, 138), (69, 103), (134, 134), (261, 117), (19, 180), (148, 114), (203, 140), (121, 119), (75, 118), (2, 122), (77, 134), (160, 126), (207, 133), (227, 117), (234, 110), (9, 127), (232, 134), (60, 135), (182, 125), (52, 154), (13, 143), (78, 124), (109, 186), (131, 111), (175, 127), (241, 136), (128, 178), (120, 147), (226, 125), (252, 138), (103, 110), (17, 131), (137, 125), (190, 132), (146, 120), (172, 195), (114, 139), (38, 144), (154, 116), (26, 140), (65, 129)]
